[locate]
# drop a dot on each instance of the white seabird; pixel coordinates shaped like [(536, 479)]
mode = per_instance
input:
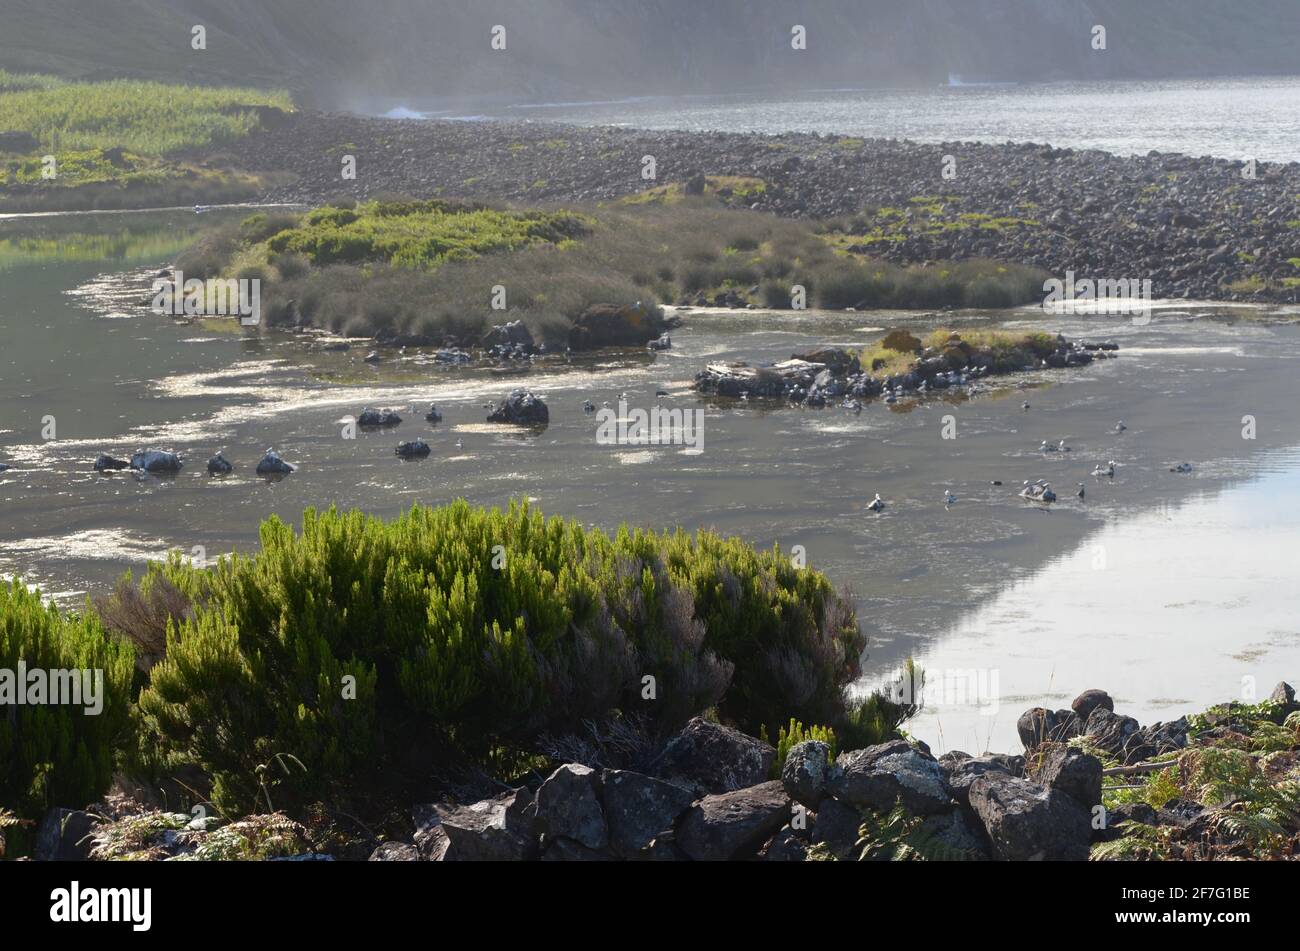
[(877, 504)]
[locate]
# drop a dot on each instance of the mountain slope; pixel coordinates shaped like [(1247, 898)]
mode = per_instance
[(338, 52)]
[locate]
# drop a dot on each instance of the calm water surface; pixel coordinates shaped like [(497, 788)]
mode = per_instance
[(1231, 118)]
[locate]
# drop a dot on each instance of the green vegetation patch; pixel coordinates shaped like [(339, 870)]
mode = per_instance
[(737, 189), (56, 753), (420, 234), (356, 643), (148, 118)]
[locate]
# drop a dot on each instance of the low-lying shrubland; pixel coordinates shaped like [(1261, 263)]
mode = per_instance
[(75, 145), (149, 118), (359, 662), (432, 269)]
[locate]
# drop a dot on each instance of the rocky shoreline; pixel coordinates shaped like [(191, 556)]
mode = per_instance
[(817, 377), (712, 793), (1198, 228)]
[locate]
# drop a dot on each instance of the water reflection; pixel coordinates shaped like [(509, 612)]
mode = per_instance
[(1169, 610)]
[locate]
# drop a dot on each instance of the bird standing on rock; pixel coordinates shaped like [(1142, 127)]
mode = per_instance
[(877, 504)]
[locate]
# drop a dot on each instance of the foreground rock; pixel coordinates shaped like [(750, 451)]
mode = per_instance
[(880, 776), (64, 835), (521, 408), (806, 772), (733, 825), (568, 807), (640, 808), (1028, 822), (710, 758), (495, 830)]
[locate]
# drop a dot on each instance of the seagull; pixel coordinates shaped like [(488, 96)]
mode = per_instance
[(460, 444), (877, 504), (1107, 470), (1081, 490), (1120, 427), (1025, 406), (1063, 447), (949, 498)]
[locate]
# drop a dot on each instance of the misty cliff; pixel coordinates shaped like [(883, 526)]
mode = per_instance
[(344, 52)]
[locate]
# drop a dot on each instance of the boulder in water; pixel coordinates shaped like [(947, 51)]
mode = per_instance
[(415, 449), (522, 408), (511, 335), (374, 417), (607, 325), (156, 461), (272, 464), (219, 465), (106, 463)]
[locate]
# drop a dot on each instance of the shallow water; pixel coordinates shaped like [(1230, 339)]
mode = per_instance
[(1195, 591), (1255, 117)]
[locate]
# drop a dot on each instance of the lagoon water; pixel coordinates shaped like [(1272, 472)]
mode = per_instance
[(1230, 118), (1166, 589)]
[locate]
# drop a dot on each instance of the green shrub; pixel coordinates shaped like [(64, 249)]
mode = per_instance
[(789, 737), (149, 118), (454, 659), (877, 717), (261, 226), (58, 754)]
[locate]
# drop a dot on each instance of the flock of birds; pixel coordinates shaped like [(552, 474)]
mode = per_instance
[(1040, 490)]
